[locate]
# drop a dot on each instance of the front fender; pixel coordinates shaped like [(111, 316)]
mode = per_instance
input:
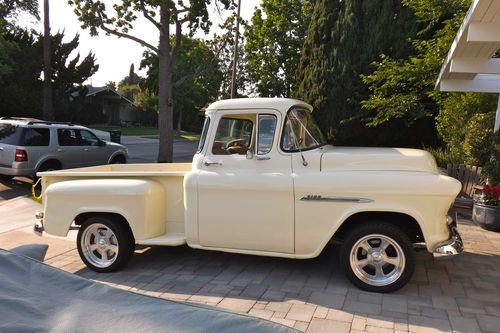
[(141, 202)]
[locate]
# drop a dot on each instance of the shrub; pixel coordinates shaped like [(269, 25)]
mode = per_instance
[(445, 156), (492, 166), (478, 141)]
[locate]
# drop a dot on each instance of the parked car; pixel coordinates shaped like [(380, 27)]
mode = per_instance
[(28, 146), (263, 182)]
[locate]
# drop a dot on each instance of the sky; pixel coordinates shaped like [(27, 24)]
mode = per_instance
[(114, 55)]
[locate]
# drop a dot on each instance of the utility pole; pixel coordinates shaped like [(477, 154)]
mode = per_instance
[(235, 54), (48, 111)]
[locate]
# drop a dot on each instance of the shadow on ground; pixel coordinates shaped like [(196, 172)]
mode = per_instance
[(15, 187)]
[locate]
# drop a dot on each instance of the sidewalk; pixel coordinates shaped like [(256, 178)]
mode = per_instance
[(461, 294)]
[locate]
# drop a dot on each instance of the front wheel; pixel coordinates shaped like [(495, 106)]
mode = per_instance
[(378, 257), (105, 244)]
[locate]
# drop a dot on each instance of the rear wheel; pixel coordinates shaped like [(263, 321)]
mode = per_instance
[(105, 244), (378, 257)]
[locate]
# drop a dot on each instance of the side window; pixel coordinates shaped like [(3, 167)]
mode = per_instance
[(234, 135), (67, 137), (267, 128), (36, 137), (203, 135), (88, 139)]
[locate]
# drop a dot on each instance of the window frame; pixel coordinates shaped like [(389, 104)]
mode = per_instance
[(204, 134), (218, 124), (270, 115), (321, 144)]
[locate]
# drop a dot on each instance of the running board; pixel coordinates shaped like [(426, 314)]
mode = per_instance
[(170, 239)]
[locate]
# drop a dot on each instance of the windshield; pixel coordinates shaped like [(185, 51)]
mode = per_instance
[(9, 134), (301, 131)]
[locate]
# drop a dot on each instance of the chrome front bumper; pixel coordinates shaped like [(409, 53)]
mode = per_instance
[(451, 247)]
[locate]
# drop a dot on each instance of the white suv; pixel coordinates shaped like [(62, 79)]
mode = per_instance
[(28, 146)]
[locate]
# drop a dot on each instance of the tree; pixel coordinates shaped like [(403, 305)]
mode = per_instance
[(273, 43), (9, 9), (48, 111), (343, 39), (111, 85), (197, 90), (225, 44), (21, 88), (162, 14)]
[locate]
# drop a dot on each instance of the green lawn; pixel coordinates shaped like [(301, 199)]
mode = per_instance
[(147, 132)]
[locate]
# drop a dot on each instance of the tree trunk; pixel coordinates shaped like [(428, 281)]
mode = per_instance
[(165, 101), (48, 111)]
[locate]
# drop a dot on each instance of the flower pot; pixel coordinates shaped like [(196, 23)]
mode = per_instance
[(486, 216)]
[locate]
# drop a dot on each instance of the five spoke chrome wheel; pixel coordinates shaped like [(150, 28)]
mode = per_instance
[(377, 260), (99, 245)]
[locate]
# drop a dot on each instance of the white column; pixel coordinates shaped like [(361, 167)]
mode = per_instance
[(497, 118)]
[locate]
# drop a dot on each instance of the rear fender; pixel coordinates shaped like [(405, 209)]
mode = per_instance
[(139, 201)]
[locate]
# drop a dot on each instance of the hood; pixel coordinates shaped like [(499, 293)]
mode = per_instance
[(377, 159)]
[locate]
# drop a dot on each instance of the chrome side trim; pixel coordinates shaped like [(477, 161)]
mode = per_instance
[(314, 197)]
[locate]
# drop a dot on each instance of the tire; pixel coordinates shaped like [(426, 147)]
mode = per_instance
[(112, 251), (46, 166), (118, 160), (378, 257)]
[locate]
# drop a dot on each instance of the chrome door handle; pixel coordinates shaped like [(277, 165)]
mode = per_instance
[(207, 163), (85, 149), (263, 158), (60, 150)]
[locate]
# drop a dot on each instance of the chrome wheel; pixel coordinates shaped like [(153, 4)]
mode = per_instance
[(99, 245), (377, 260)]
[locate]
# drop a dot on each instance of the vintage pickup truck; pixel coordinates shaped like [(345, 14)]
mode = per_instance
[(263, 182)]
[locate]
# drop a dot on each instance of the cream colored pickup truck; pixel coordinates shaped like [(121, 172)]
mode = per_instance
[(262, 182)]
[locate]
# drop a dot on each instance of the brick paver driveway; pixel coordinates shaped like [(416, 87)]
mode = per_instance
[(462, 294)]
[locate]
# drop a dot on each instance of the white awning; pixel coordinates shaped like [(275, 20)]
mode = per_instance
[(470, 65)]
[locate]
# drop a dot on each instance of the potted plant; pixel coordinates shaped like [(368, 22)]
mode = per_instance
[(486, 211)]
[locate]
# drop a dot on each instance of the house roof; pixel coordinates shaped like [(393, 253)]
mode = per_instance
[(92, 91), (470, 64)]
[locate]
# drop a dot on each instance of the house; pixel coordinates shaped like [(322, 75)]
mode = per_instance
[(111, 107)]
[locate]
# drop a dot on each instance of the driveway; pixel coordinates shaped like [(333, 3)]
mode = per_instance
[(461, 294)]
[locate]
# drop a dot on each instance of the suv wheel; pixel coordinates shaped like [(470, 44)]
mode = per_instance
[(118, 160), (378, 257)]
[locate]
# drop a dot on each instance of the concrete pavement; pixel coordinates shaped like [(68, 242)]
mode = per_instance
[(457, 295)]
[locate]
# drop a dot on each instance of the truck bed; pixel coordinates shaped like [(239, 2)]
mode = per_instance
[(120, 170)]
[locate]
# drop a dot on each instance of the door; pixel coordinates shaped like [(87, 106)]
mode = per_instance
[(70, 152), (95, 154), (246, 204)]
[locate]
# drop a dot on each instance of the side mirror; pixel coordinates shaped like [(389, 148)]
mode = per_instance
[(102, 143), (249, 155)]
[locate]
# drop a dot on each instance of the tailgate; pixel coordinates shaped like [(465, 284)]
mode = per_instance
[(7, 153)]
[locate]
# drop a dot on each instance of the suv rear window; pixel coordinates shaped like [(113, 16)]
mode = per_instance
[(20, 136), (10, 134), (36, 137)]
